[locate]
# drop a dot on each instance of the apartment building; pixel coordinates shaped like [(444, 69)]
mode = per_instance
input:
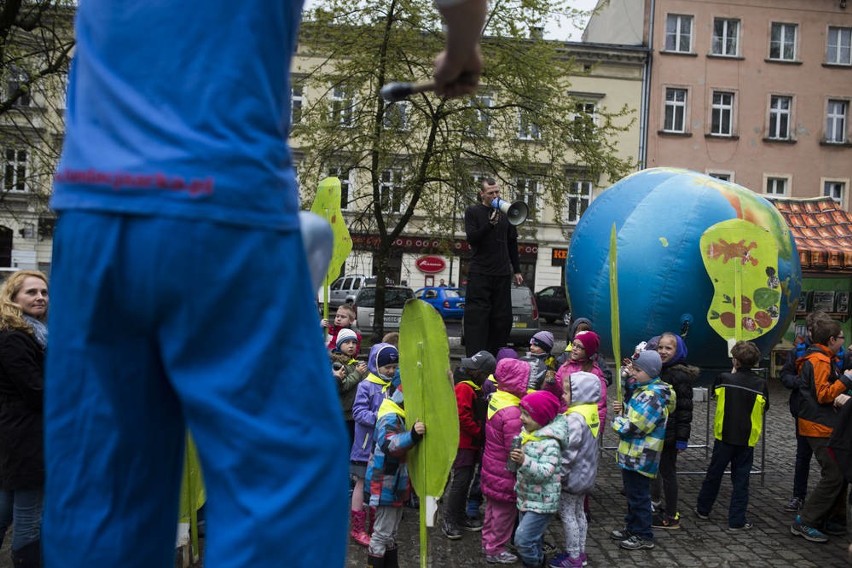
[(609, 79), (754, 91)]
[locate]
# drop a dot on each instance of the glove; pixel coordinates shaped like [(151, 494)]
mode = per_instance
[(681, 445)]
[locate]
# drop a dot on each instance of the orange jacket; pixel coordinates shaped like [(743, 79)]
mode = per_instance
[(819, 386)]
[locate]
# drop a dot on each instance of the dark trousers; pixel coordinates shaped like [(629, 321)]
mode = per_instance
[(823, 499), (802, 467), (637, 488), (740, 458), (455, 497), (487, 313), (666, 482)]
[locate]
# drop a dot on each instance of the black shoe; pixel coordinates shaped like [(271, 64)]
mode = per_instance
[(451, 531), (620, 534), (636, 543), (472, 525)]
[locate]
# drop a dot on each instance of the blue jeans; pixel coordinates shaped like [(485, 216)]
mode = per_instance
[(740, 458), (22, 510), (637, 487), (529, 536), (803, 466)]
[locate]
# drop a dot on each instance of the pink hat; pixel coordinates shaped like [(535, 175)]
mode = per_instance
[(590, 341), (542, 406)]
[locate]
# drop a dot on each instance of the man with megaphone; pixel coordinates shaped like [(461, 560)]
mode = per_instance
[(494, 265)]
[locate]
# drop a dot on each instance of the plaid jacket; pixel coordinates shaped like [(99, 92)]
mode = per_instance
[(642, 428)]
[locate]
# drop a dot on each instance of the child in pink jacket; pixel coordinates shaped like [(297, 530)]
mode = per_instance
[(503, 424)]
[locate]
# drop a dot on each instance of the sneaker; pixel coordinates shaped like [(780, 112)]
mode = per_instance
[(700, 515), (548, 548), (636, 543), (472, 525), (746, 527), (502, 558), (794, 504), (665, 522), (798, 528), (565, 561), (451, 531), (620, 534), (584, 558)]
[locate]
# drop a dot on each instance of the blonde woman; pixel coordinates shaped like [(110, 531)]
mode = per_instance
[(23, 340)]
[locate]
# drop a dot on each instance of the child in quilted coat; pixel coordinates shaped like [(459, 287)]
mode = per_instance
[(387, 477), (539, 462), (503, 423)]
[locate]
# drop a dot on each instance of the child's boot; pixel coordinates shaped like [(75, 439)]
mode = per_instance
[(375, 561), (392, 558), (357, 532)]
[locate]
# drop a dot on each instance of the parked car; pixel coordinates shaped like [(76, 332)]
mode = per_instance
[(447, 301), (343, 290), (365, 306), (524, 317), (553, 305)]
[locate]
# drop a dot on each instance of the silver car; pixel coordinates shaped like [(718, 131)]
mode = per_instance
[(365, 306)]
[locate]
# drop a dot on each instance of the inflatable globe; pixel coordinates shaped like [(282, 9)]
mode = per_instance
[(695, 255)]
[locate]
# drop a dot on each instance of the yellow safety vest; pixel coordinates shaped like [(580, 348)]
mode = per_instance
[(500, 400), (589, 411)]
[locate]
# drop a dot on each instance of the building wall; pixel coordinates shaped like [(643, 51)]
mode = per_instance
[(747, 155)]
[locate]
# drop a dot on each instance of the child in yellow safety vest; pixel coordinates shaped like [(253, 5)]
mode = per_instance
[(581, 392)]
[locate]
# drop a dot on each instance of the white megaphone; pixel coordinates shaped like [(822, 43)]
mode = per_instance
[(515, 212)]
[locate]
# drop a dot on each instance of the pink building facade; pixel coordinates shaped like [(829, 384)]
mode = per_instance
[(755, 91)]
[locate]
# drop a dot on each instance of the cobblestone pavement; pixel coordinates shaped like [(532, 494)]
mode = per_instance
[(697, 542)]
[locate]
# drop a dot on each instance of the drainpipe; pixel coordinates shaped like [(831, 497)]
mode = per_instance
[(646, 92)]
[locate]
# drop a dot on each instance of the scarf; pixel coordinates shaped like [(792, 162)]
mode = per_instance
[(39, 330), (529, 437)]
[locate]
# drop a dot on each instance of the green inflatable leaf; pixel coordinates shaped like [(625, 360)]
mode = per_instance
[(327, 205), (424, 367)]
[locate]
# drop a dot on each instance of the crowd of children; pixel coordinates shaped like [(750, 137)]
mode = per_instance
[(531, 426)]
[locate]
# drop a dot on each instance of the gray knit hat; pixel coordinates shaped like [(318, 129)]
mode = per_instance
[(650, 362)]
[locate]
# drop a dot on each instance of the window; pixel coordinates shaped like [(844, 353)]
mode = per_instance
[(296, 100), (342, 104), (724, 176), (396, 116), (390, 191), (586, 113), (782, 42), (834, 190), (343, 176), (18, 78), (15, 170), (722, 114), (528, 190), (679, 33), (579, 194), (779, 117), (835, 121), (527, 128), (675, 115), (776, 186), (480, 116), (839, 50), (726, 37)]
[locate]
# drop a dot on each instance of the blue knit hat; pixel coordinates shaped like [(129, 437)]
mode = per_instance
[(387, 355)]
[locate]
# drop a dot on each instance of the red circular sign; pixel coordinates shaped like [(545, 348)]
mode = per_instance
[(430, 264)]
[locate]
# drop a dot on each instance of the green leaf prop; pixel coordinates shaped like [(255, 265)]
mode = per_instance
[(741, 259), (613, 309), (424, 363), (327, 205)]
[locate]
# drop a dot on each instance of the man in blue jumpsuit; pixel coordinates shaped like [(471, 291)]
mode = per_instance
[(181, 293)]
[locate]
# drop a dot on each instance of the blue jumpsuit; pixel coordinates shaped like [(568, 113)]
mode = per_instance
[(180, 296)]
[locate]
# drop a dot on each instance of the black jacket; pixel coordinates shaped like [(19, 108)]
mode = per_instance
[(494, 248), (680, 377), (21, 411)]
